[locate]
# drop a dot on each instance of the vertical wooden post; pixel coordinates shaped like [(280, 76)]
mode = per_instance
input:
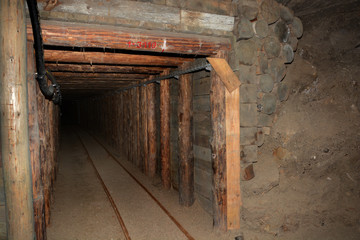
[(234, 203), (144, 132), (47, 165), (218, 149), (225, 151), (165, 131), (151, 127), (14, 121), (186, 157), (34, 141), (137, 128)]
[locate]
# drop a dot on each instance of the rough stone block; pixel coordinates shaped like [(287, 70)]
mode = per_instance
[(262, 65), (246, 51), (247, 11), (297, 27), (268, 103), (265, 120), (248, 136), (266, 83), (248, 154), (248, 173), (248, 93), (287, 53), (282, 31), (261, 28), (247, 74), (286, 14), (283, 92), (293, 42), (272, 47), (248, 115), (270, 10), (244, 29), (277, 69)]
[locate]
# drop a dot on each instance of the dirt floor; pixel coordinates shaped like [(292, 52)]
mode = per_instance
[(308, 172), (81, 209)]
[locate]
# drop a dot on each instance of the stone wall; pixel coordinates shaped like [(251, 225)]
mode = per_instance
[(266, 36)]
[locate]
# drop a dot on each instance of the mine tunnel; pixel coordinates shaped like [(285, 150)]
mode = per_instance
[(180, 119)]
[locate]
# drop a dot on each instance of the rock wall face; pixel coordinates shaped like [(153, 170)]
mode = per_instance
[(306, 183)]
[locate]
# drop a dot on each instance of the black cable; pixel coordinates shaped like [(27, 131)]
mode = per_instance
[(51, 92)]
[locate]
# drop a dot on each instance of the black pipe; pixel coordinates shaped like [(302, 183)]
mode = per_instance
[(51, 92)]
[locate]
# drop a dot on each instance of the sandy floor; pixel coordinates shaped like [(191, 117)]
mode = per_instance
[(82, 210)]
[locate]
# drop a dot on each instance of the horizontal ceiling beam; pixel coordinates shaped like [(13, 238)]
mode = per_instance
[(115, 37), (71, 75), (60, 67), (111, 58)]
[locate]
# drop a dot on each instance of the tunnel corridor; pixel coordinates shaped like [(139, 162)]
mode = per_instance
[(82, 209), (179, 119)]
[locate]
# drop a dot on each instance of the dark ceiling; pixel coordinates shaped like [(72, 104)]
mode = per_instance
[(307, 7)]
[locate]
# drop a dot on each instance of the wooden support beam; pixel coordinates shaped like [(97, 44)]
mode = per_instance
[(111, 58), (225, 151), (34, 141), (186, 157), (218, 149), (14, 121), (82, 68), (232, 116), (151, 128), (144, 131), (116, 37), (137, 127), (165, 132), (225, 72), (70, 75)]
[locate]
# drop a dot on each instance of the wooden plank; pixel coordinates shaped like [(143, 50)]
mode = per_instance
[(71, 75), (81, 68), (234, 203), (34, 147), (102, 36), (225, 72), (165, 132), (174, 129), (202, 103), (218, 150), (14, 121), (151, 129), (146, 12), (186, 158), (201, 86), (111, 58), (207, 20)]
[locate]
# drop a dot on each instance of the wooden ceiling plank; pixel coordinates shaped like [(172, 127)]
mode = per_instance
[(111, 58), (61, 67), (116, 37)]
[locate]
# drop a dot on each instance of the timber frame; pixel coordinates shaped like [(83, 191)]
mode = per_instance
[(167, 50)]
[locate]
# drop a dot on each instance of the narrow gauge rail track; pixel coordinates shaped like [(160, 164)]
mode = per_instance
[(111, 200)]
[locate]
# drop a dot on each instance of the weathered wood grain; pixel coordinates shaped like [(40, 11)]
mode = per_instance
[(225, 72), (186, 158), (34, 146), (111, 58), (218, 149), (151, 128), (102, 36), (14, 121), (165, 132), (81, 68)]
